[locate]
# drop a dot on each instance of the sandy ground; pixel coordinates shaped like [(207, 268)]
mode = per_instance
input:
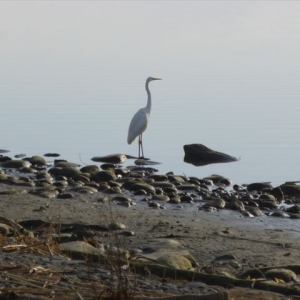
[(255, 242)]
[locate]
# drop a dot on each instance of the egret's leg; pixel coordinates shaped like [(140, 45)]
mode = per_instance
[(142, 145), (139, 145)]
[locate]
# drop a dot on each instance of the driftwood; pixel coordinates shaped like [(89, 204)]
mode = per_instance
[(215, 296), (218, 280), (258, 272)]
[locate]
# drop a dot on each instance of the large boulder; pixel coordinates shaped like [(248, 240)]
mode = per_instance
[(200, 155)]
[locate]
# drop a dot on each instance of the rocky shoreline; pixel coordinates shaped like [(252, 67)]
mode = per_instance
[(96, 231)]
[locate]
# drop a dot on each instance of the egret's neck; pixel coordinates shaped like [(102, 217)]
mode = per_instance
[(148, 107)]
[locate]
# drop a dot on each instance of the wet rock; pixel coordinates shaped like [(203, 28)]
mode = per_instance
[(160, 198), (200, 155), (4, 159), (15, 164), (176, 178), (67, 171), (20, 155), (255, 211), (112, 158), (122, 198), (154, 204), (145, 162), (186, 199), (65, 196), (156, 177), (259, 186), (216, 203), (3, 151), (65, 164), (37, 161), (91, 169), (267, 197), (187, 187), (269, 204), (277, 193), (236, 204), (175, 200), (51, 155), (163, 184), (282, 274), (238, 188), (84, 190), (28, 170), (113, 190), (49, 194), (246, 213), (104, 176), (293, 209), (142, 186), (291, 190), (61, 183)]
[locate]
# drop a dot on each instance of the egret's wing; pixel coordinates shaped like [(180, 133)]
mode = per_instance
[(137, 125)]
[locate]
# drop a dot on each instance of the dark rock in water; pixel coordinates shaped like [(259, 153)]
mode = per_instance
[(199, 155), (112, 158), (293, 209), (276, 192), (290, 189), (259, 186), (146, 162), (15, 164), (279, 213), (51, 155), (3, 151), (20, 155)]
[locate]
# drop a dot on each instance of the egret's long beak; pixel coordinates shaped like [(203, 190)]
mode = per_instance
[(157, 78)]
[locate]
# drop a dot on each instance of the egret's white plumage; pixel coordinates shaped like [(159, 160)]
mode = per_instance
[(140, 120)]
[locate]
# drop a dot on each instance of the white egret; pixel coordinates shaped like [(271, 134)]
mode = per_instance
[(140, 120)]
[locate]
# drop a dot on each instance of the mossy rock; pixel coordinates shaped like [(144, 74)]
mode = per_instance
[(15, 164)]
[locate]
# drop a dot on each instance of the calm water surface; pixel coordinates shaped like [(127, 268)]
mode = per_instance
[(73, 73), (92, 120)]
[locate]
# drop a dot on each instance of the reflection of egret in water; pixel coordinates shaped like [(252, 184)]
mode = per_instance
[(140, 120)]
